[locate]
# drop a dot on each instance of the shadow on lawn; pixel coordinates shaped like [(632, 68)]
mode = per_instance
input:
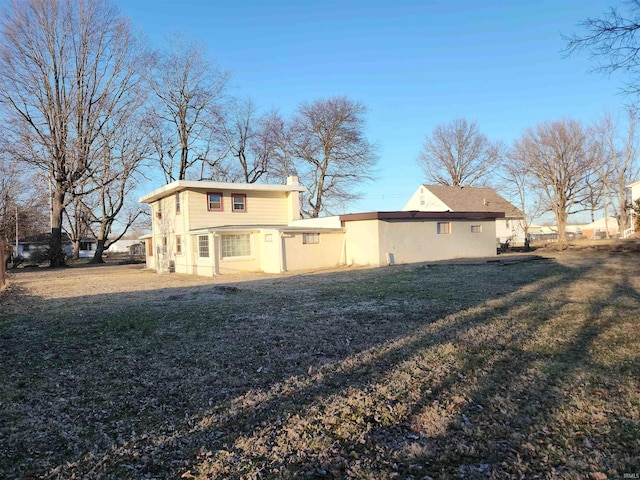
[(373, 374)]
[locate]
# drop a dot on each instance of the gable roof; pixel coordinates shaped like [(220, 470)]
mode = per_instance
[(473, 199)]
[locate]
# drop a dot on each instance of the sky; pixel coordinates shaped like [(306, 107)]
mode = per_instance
[(413, 64)]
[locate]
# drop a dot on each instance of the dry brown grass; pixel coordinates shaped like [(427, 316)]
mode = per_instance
[(414, 372)]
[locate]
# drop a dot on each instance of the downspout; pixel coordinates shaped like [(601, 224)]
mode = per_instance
[(214, 252), (281, 251), (343, 254)]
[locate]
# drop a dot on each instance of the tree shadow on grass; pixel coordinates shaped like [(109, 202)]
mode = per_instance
[(365, 377)]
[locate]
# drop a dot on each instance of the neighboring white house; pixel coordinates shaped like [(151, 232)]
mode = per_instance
[(598, 228), (132, 247), (210, 228), (635, 196), (439, 198), (28, 246)]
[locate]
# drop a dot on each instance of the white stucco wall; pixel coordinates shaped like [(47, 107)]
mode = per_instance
[(362, 246), (410, 241), (325, 254)]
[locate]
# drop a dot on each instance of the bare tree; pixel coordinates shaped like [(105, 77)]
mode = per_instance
[(116, 175), (518, 184), (277, 134), (457, 154), (559, 158), (595, 185), (612, 42), (327, 137), (247, 137), (617, 161), (77, 223), (187, 88), (67, 66)]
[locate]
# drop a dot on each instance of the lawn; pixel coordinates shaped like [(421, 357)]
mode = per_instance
[(529, 370)]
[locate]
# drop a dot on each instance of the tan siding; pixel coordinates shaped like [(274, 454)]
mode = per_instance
[(264, 208)]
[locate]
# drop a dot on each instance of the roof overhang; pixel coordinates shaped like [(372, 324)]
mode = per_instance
[(180, 185), (417, 215), (258, 228)]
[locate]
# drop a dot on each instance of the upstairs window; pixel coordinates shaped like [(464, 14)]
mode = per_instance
[(476, 228), (178, 207), (214, 201), (239, 202)]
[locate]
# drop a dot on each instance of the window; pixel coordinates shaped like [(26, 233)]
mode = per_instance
[(236, 245), (214, 201), (476, 228), (444, 227), (159, 211), (150, 247), (203, 246), (239, 201), (310, 238), (178, 245), (268, 237), (178, 207)]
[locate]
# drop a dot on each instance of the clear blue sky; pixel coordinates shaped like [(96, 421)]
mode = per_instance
[(414, 64)]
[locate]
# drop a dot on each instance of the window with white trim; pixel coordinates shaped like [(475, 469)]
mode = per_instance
[(178, 206), (476, 228), (178, 245), (237, 245), (239, 202), (203, 246)]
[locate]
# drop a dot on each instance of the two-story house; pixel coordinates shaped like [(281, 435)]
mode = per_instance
[(210, 228), (440, 198)]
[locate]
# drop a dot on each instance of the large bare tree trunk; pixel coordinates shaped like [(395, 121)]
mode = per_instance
[(100, 248), (56, 252)]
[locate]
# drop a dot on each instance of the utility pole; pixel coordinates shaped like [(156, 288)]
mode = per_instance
[(17, 236)]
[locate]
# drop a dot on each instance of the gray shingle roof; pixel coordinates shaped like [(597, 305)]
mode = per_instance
[(473, 199)]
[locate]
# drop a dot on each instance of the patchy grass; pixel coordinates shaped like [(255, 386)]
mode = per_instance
[(414, 372)]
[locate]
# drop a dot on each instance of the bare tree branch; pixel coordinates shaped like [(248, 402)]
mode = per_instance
[(559, 157), (327, 137), (457, 154), (67, 68)]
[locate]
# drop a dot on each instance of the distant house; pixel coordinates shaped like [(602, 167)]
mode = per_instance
[(597, 230), (439, 198), (40, 243), (210, 228), (130, 247), (634, 188)]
